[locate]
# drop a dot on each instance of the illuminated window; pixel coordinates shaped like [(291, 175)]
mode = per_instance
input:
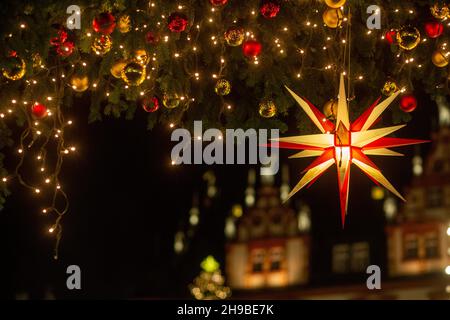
[(276, 259), (341, 258), (431, 245), (411, 249), (359, 257), (258, 260)]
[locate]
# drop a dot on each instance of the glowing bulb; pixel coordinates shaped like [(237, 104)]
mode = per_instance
[(447, 270)]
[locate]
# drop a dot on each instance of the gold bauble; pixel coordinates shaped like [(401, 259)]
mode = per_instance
[(333, 17), (330, 109), (389, 88), (124, 24), (439, 59), (267, 109), (79, 83), (37, 60), (141, 56), (234, 36), (133, 74), (102, 45), (335, 3), (408, 37), (171, 100), (440, 10), (223, 87), (16, 69), (116, 69)]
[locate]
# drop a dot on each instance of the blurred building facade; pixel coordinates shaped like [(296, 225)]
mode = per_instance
[(271, 246)]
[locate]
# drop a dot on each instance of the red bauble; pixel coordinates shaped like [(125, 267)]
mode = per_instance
[(152, 38), (434, 29), (65, 49), (252, 48), (39, 110), (408, 103), (150, 104), (270, 8), (177, 22), (218, 3), (104, 23), (391, 36)]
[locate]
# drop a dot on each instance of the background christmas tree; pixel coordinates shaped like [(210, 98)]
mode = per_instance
[(223, 62)]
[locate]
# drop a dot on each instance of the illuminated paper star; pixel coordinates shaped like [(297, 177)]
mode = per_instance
[(344, 143)]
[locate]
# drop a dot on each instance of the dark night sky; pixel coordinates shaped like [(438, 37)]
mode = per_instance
[(127, 202)]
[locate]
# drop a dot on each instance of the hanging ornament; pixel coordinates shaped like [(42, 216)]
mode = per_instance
[(171, 101), (102, 45), (79, 83), (37, 60), (39, 110), (177, 22), (134, 73), (434, 29), (333, 18), (330, 109), (270, 8), (408, 37), (65, 49), (150, 104), (218, 3), (116, 69), (104, 23), (124, 24), (335, 3), (63, 46), (439, 59), (267, 109), (152, 38), (344, 143), (252, 48), (391, 36), (142, 56), (408, 103), (15, 69), (234, 36), (223, 87), (440, 10), (389, 88)]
